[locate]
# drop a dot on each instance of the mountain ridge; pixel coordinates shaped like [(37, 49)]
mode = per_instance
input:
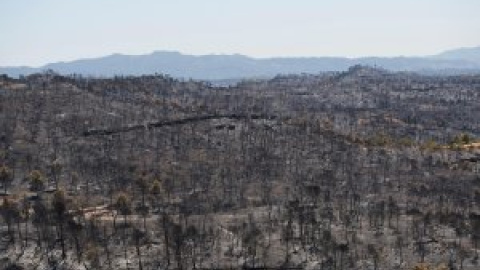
[(230, 66)]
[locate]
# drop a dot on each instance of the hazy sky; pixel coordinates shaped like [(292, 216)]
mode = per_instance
[(34, 32)]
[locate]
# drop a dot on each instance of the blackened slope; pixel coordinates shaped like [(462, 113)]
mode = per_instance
[(183, 121)]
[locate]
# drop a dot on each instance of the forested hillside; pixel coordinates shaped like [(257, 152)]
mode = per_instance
[(364, 169)]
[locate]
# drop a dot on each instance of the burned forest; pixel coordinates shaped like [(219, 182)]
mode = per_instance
[(362, 169)]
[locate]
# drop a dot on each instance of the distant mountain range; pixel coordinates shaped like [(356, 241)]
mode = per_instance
[(224, 67)]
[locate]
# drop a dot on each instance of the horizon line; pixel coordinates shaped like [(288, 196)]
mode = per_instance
[(86, 58)]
